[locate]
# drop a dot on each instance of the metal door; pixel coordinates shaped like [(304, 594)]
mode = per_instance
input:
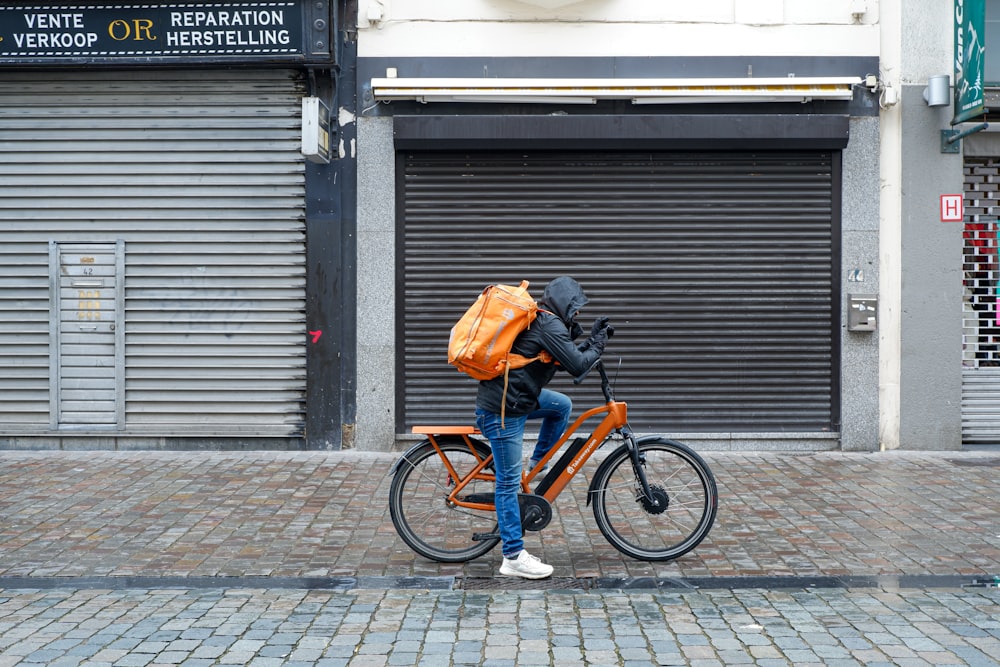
[(87, 362)]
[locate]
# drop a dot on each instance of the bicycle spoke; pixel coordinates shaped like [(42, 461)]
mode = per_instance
[(433, 478), (673, 520), (423, 517)]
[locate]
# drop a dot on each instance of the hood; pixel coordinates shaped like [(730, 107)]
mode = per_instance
[(564, 297)]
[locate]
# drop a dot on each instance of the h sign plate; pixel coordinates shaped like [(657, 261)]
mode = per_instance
[(952, 208)]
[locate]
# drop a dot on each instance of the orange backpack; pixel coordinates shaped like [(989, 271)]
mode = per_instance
[(481, 340)]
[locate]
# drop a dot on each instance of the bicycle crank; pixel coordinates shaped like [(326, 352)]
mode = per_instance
[(536, 511)]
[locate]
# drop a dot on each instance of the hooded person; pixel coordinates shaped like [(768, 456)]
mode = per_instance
[(502, 411)]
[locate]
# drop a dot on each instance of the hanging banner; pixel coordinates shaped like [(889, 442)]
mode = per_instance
[(148, 32), (970, 59)]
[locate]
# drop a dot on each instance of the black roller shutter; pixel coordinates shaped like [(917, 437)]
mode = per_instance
[(718, 269)]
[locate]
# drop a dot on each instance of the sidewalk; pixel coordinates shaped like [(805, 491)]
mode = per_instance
[(312, 514), (256, 558)]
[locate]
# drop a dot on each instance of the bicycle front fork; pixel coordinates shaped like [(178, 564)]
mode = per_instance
[(637, 466)]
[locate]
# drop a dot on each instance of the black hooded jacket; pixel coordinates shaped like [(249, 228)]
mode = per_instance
[(554, 331)]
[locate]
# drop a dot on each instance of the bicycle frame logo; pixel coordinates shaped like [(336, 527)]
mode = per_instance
[(581, 457)]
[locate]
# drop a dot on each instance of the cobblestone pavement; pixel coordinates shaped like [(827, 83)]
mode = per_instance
[(262, 558), (498, 628), (71, 514)]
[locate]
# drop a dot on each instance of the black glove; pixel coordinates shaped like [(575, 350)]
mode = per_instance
[(599, 323), (598, 340)]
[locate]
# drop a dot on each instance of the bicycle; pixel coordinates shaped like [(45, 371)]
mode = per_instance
[(653, 498)]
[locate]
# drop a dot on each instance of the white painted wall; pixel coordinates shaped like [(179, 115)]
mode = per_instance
[(634, 11), (890, 228), (618, 28)]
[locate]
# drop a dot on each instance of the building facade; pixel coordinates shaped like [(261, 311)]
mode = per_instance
[(252, 224), (710, 173), (171, 230)]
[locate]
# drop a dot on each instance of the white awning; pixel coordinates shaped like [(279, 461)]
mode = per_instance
[(640, 91)]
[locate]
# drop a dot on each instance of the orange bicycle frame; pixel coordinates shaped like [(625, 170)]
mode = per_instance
[(615, 417)]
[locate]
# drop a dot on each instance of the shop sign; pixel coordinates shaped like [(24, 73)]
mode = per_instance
[(970, 59), (122, 32)]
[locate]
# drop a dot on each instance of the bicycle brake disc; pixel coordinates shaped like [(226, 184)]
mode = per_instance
[(660, 500), (536, 511)]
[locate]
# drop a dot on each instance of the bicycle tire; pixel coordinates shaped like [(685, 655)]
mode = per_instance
[(683, 483), (419, 510)]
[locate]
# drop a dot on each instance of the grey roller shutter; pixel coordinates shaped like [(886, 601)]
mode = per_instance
[(24, 333), (719, 270), (198, 176)]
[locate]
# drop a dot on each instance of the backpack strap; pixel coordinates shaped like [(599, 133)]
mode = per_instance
[(515, 360)]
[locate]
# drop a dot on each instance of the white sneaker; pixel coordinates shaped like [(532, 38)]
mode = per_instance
[(525, 566)]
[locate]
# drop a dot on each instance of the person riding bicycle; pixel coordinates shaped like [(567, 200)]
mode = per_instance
[(554, 330)]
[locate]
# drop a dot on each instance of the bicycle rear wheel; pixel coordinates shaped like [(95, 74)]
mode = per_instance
[(684, 511), (419, 509)]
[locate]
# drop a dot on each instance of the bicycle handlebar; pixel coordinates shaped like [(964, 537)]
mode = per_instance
[(609, 394), (583, 376)]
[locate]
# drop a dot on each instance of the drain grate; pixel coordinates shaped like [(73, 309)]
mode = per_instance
[(518, 584)]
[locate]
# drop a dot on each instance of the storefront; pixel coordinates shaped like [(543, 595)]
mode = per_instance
[(156, 204), (705, 217)]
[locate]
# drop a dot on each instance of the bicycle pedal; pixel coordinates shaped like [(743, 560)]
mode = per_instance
[(483, 537)]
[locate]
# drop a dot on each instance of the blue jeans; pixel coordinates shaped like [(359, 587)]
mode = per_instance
[(506, 441)]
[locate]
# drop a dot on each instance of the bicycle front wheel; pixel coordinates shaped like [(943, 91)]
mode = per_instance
[(421, 513), (684, 507)]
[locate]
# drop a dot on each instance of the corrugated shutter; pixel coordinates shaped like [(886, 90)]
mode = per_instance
[(980, 330), (200, 174), (719, 271), (24, 331)]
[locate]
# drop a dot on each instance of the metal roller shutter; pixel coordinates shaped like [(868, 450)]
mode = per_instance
[(980, 328), (199, 176), (719, 271)]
